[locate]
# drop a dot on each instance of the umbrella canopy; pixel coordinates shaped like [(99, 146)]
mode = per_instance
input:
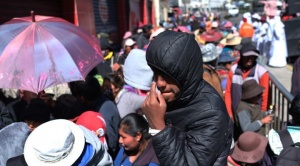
[(40, 51)]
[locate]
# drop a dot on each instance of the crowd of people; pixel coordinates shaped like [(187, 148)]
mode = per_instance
[(173, 95)]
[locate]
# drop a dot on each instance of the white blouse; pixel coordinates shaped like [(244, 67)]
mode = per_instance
[(274, 139)]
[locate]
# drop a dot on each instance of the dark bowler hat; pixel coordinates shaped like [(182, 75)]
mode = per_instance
[(250, 88)]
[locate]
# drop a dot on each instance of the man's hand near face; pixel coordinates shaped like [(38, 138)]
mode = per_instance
[(154, 108)]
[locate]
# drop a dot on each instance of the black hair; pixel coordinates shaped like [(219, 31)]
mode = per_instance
[(212, 63), (106, 89), (147, 28), (104, 43), (120, 72), (89, 89), (161, 23), (116, 80), (67, 107), (134, 123), (37, 110)]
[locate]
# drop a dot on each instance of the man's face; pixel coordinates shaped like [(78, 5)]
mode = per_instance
[(167, 86), (248, 61)]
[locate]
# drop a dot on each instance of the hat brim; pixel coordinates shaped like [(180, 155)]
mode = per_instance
[(78, 145), (226, 59), (236, 41), (250, 53), (211, 38), (253, 92), (129, 44), (211, 58), (250, 156)]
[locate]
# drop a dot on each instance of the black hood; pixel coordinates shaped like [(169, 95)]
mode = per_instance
[(178, 55)]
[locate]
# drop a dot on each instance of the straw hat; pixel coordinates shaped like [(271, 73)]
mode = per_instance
[(250, 147), (231, 40), (56, 143)]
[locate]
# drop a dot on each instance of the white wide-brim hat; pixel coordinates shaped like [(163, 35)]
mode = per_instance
[(56, 143)]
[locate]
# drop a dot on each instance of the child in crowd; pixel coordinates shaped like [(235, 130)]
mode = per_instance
[(249, 116)]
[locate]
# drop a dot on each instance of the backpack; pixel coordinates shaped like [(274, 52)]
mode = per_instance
[(290, 155)]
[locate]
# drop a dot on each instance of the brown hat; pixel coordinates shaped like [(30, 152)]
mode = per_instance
[(250, 88), (250, 147)]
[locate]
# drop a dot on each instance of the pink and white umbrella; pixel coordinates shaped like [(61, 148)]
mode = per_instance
[(39, 51)]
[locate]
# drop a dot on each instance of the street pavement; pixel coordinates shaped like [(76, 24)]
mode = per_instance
[(283, 75)]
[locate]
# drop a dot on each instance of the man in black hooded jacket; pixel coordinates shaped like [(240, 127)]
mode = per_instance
[(190, 116)]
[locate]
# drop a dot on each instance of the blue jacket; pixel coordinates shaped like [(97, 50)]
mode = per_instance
[(147, 158)]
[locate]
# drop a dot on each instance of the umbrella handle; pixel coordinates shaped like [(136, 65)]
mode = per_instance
[(33, 16)]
